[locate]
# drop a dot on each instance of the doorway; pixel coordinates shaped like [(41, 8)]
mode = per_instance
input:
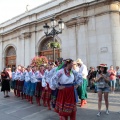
[(10, 60), (44, 50)]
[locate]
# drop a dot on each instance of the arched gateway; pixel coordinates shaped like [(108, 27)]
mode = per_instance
[(44, 50), (10, 57)]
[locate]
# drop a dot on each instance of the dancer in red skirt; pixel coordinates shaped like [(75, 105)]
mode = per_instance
[(18, 77), (38, 90), (21, 82), (66, 80), (46, 93)]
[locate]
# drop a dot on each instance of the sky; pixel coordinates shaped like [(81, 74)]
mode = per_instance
[(12, 8)]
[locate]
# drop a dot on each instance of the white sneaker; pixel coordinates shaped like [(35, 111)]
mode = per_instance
[(107, 112), (98, 114)]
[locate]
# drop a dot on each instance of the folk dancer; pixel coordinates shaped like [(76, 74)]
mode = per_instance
[(28, 82), (46, 93), (66, 80), (38, 90), (32, 83), (51, 73), (82, 90), (17, 78), (22, 80), (60, 64), (13, 81)]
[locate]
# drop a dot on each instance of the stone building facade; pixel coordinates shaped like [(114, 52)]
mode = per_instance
[(92, 33)]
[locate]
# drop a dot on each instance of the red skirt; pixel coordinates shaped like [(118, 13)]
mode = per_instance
[(46, 94), (65, 103)]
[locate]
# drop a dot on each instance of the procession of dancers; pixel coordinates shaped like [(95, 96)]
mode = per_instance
[(58, 85)]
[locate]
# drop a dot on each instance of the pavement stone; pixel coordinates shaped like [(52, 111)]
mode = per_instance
[(14, 108)]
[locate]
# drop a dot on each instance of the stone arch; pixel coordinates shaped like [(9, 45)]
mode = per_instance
[(43, 49), (7, 47), (10, 56), (43, 39)]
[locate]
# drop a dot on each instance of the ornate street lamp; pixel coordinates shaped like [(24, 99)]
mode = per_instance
[(54, 32)]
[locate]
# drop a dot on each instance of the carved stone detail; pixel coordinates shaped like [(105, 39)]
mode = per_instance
[(21, 37), (25, 35), (77, 21)]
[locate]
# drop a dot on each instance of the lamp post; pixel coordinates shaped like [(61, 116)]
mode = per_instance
[(53, 32)]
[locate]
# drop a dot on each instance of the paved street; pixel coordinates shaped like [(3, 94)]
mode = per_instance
[(14, 108)]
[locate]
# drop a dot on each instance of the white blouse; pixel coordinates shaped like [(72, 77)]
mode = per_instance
[(83, 71), (39, 76), (32, 77), (27, 77), (61, 78), (13, 76), (45, 79), (18, 75)]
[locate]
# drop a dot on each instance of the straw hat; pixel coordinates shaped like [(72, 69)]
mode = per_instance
[(103, 65), (79, 61)]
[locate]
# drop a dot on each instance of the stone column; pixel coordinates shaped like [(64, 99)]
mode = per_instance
[(79, 34), (115, 33), (32, 45), (22, 49), (18, 57), (27, 48)]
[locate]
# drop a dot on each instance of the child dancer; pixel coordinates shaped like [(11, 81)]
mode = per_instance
[(46, 93), (38, 90)]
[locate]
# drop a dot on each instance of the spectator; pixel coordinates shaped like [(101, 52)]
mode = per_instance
[(89, 75), (117, 77), (5, 83), (102, 79), (92, 76), (112, 78)]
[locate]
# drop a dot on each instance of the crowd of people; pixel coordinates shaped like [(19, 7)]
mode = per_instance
[(60, 84), (114, 77)]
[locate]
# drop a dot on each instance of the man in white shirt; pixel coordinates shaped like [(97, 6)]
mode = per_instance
[(82, 90)]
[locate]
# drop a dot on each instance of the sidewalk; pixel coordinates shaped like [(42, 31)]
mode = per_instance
[(14, 108)]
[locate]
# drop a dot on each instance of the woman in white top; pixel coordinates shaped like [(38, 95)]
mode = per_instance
[(66, 80), (21, 82), (46, 92), (13, 81), (38, 89), (17, 78), (33, 81)]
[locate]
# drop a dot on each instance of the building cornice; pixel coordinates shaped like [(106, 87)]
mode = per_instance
[(84, 6), (77, 21)]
